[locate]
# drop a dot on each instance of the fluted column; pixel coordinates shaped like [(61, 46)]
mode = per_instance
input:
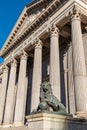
[(54, 61), (3, 92), (79, 66), (37, 75), (9, 108), (21, 92)]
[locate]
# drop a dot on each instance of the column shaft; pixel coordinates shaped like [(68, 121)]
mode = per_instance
[(3, 92), (9, 108), (37, 75), (21, 92), (55, 61), (79, 66)]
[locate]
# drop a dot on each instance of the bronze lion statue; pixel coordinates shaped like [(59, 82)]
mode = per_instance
[(48, 102)]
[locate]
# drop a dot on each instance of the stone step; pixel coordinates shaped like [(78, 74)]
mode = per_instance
[(14, 128)]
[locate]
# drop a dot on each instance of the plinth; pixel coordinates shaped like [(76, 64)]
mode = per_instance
[(46, 121)]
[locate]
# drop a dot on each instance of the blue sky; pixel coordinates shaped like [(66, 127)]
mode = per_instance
[(10, 10)]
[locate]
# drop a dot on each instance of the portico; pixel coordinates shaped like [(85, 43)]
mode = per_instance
[(39, 46)]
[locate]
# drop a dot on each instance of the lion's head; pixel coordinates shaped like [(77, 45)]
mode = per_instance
[(46, 86)]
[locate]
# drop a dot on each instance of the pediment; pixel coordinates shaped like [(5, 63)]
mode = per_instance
[(31, 17), (28, 15)]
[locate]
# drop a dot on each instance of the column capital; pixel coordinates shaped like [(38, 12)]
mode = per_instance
[(54, 30), (86, 29), (75, 14), (38, 43), (24, 55), (5, 69), (13, 62)]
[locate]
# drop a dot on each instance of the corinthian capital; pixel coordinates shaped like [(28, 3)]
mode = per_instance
[(38, 43), (54, 30), (24, 55), (5, 69), (75, 13), (13, 63)]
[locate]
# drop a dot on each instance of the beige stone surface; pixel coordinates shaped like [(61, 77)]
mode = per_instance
[(45, 121), (21, 91), (14, 128), (58, 15), (79, 66), (9, 108), (37, 75), (55, 61), (3, 92)]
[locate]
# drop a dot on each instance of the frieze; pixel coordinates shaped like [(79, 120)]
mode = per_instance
[(41, 30), (18, 49), (30, 38), (28, 42)]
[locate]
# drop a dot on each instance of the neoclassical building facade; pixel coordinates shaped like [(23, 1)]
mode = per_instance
[(47, 43)]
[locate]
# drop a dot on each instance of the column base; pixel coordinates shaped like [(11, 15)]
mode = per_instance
[(7, 125), (81, 114), (18, 124), (0, 126)]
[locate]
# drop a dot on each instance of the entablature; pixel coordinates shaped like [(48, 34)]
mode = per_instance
[(60, 17)]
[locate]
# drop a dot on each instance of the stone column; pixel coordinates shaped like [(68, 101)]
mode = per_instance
[(54, 61), (9, 108), (21, 92), (79, 66), (3, 92), (37, 75)]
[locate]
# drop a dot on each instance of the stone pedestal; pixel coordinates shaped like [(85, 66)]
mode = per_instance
[(46, 121)]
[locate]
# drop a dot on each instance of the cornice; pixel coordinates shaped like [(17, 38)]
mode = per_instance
[(36, 3)]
